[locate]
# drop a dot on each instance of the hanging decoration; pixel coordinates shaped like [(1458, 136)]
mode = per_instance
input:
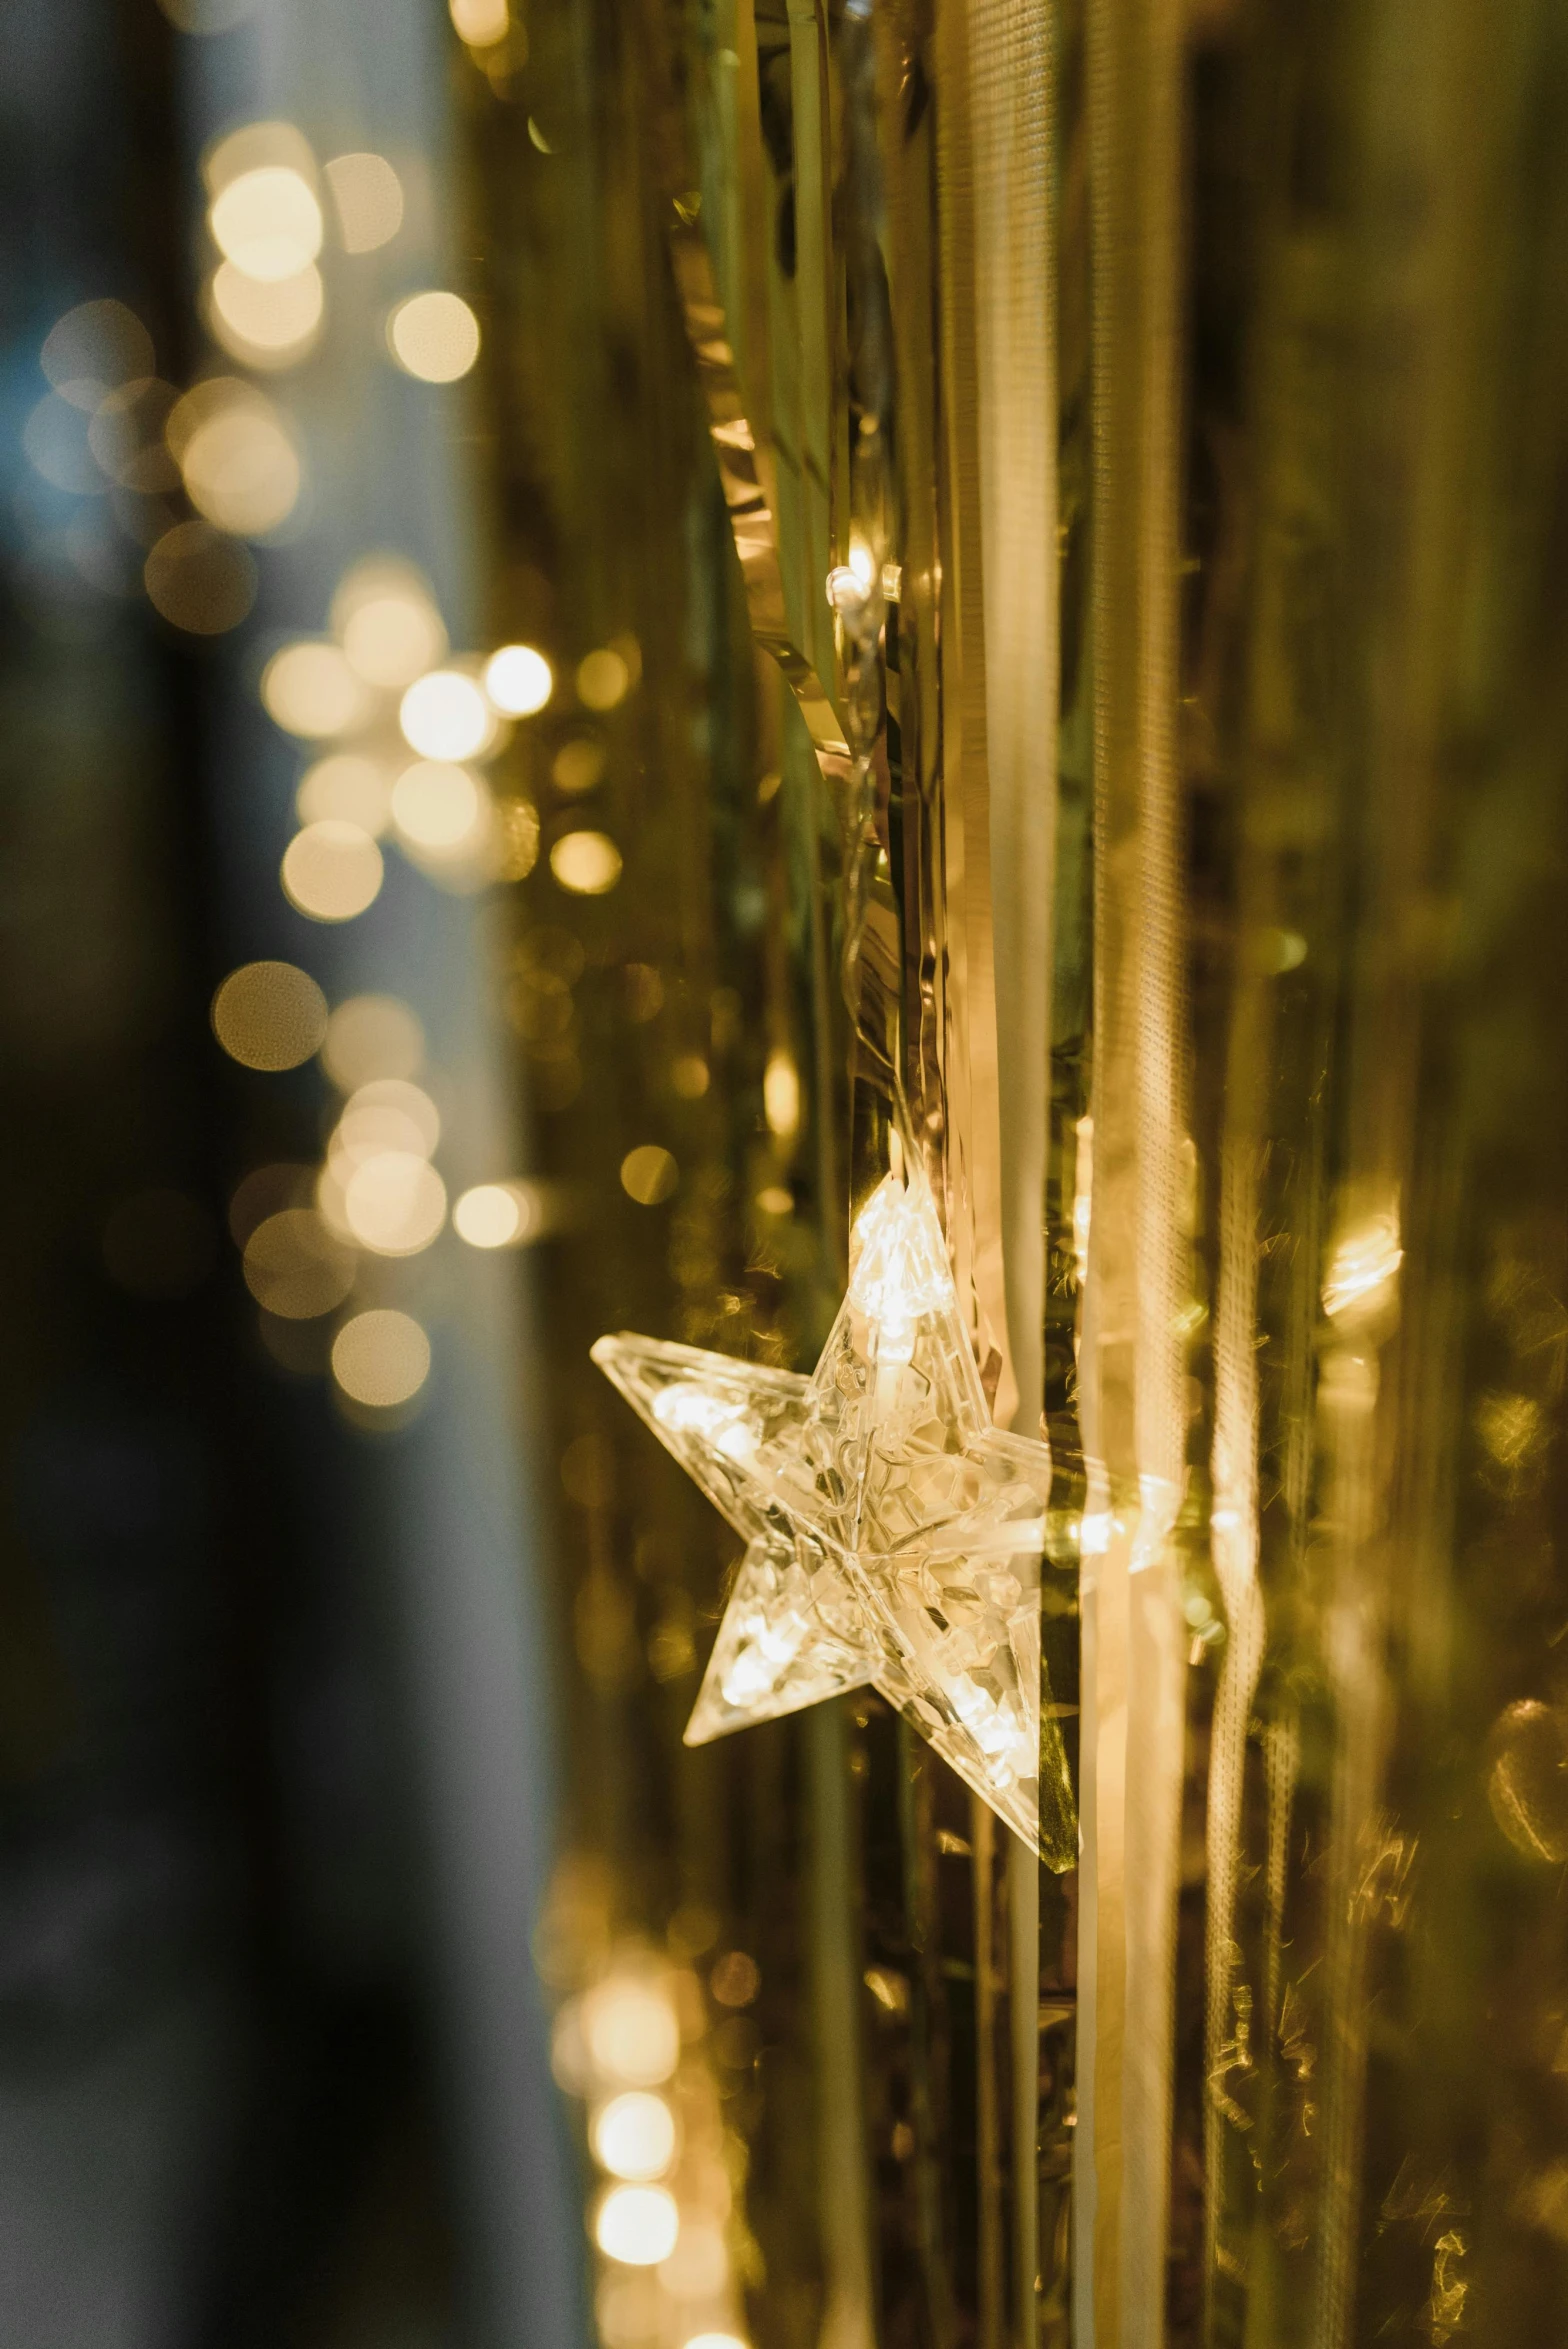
[(894, 1534)]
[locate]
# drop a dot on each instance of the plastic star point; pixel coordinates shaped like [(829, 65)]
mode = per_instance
[(894, 1536)]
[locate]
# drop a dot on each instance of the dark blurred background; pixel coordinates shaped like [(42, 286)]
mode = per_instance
[(270, 2060)]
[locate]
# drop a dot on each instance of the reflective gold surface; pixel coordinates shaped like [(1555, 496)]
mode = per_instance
[(1126, 435), (888, 2111)]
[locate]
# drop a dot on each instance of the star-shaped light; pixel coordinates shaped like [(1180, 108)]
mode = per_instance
[(893, 1534)]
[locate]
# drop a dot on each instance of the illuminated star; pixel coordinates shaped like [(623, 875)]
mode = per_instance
[(893, 1534)]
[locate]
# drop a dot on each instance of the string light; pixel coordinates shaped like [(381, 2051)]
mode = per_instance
[(438, 806), (496, 1215), (387, 623), (309, 690), (519, 680), (632, 2032), (372, 1036), (387, 1113), (369, 198), (586, 863), (394, 1203), (602, 680), (267, 324), (637, 2225), (237, 458), (648, 1174), (633, 2136), (267, 222), (348, 789), (894, 1535), (381, 1359), (697, 2268), (199, 579), (331, 871), (376, 1189), (434, 336), (269, 1015), (295, 1267), (481, 23), (781, 1094), (445, 716)]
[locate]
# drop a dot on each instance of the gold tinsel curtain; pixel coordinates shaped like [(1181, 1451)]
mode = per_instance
[(1157, 827)]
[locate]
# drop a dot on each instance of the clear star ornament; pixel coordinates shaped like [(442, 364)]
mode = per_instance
[(894, 1535)]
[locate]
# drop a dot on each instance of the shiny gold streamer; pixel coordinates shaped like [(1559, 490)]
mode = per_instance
[(1011, 100), (970, 1054), (1233, 1524), (748, 477), (1132, 1347)]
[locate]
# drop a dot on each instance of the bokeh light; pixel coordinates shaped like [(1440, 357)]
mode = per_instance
[(434, 336), (496, 1215), (633, 2136), (346, 788), (295, 1267), (568, 2056), (236, 455), (631, 2309), (278, 1184), (387, 1113), (698, 2266), (331, 871), (481, 23), (55, 444), (638, 2225), (644, 992), (781, 1094), (267, 222), (371, 1037), (648, 1174), (394, 1203), (438, 806), (381, 1358), (270, 1015), (309, 689), (368, 196), (200, 579), (578, 766), (270, 324), (1363, 1270), (735, 1979), (632, 2032), (715, 2341), (390, 629), (519, 680), (602, 680), (586, 863), (253, 146), (445, 716), (516, 844), (92, 350), (126, 436)]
